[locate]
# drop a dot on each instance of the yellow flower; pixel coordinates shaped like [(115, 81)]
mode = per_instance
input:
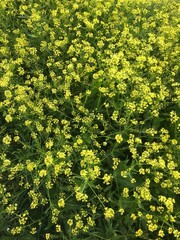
[(125, 192), (152, 227), (8, 118), (139, 233), (107, 179), (30, 165), (61, 154), (42, 173), (7, 140), (115, 115), (58, 228), (33, 230), (16, 230), (148, 216), (173, 117), (170, 230), (70, 222), (153, 208), (61, 202), (81, 196), (116, 162), (109, 213), (133, 216), (121, 211), (48, 160), (16, 138), (84, 173), (48, 236), (6, 162), (49, 143), (169, 203), (8, 94), (103, 89), (145, 193), (161, 233), (119, 138), (22, 108)]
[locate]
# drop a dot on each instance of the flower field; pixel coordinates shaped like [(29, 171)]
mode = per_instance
[(89, 120)]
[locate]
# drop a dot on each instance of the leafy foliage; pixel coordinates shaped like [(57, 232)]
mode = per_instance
[(89, 104)]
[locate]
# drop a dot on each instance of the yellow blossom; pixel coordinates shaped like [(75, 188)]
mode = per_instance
[(121, 211), (61, 202), (7, 140), (119, 138), (8, 118), (139, 233), (107, 179), (48, 160), (42, 173), (109, 213)]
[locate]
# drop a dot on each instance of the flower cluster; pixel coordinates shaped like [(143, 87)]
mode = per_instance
[(89, 104)]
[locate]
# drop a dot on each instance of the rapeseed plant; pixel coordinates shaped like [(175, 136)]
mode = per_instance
[(89, 103)]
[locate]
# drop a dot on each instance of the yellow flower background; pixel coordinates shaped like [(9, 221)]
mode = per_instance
[(89, 119)]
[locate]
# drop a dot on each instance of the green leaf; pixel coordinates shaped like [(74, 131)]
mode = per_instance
[(157, 122), (27, 237), (7, 238)]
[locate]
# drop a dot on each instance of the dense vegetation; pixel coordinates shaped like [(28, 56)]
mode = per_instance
[(89, 119)]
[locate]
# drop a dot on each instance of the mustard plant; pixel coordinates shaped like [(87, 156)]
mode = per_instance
[(89, 126)]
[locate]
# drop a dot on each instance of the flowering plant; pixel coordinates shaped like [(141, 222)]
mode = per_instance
[(89, 103)]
